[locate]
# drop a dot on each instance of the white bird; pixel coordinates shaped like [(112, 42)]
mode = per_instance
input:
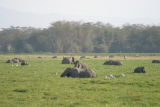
[(123, 75), (110, 76)]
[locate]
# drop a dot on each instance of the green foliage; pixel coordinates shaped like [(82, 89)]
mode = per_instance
[(39, 84), (100, 48), (76, 37)]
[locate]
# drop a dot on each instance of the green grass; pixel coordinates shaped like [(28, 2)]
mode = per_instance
[(40, 85), (86, 54)]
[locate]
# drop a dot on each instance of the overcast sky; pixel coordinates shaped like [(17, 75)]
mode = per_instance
[(131, 11)]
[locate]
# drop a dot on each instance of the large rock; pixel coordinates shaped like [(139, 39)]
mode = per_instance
[(156, 61), (77, 72), (111, 62), (68, 60), (140, 70)]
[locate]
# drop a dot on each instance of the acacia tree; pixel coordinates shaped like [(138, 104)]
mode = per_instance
[(69, 37)]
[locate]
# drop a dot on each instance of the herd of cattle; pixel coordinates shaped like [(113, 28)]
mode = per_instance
[(79, 69)]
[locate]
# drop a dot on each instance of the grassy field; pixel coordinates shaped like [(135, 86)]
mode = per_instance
[(40, 85)]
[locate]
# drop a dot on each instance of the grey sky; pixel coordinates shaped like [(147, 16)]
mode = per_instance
[(113, 11)]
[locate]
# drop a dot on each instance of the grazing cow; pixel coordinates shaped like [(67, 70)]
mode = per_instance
[(140, 70)]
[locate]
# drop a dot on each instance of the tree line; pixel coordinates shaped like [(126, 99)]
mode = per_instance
[(77, 37)]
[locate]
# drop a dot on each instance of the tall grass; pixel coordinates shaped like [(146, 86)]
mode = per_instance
[(40, 85)]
